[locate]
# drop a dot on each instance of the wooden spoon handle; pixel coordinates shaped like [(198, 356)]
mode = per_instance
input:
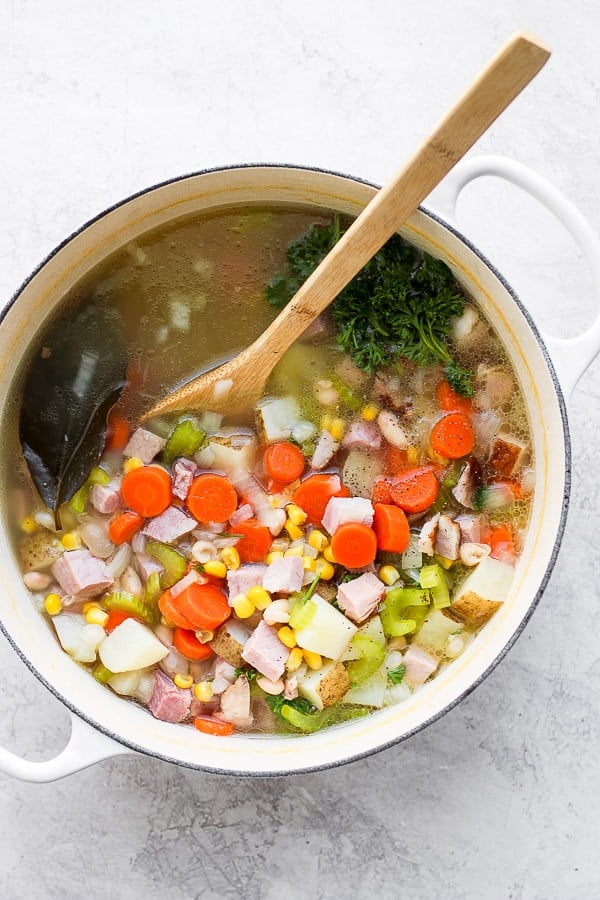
[(504, 77)]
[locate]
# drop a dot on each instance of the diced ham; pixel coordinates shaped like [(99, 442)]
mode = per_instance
[(290, 691), (138, 542), (242, 514), (235, 703), (168, 702), (470, 479), (340, 510), (473, 528), (224, 676), (419, 665), (428, 535), (169, 526), (239, 581), (266, 652), (106, 498), (144, 445), (146, 565), (360, 597), (284, 575), (81, 574), (325, 450), (362, 434), (506, 455), (184, 471), (447, 542)]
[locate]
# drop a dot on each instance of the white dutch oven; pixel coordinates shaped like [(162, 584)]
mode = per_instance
[(104, 725)]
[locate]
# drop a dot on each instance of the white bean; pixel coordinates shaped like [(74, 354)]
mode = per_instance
[(203, 551), (277, 612), (36, 581), (392, 430), (455, 646), (472, 553), (270, 687)]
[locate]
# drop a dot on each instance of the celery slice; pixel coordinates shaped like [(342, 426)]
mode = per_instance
[(98, 476), (306, 722), (433, 578), (186, 439), (152, 590), (401, 612), (131, 603), (371, 657), (101, 673), (175, 564), (79, 499), (301, 613)]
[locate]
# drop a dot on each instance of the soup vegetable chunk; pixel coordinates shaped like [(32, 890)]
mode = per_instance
[(322, 555)]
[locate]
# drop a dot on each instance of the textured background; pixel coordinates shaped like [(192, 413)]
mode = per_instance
[(500, 798)]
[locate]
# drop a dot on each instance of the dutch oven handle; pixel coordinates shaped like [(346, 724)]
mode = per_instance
[(86, 746), (571, 356)]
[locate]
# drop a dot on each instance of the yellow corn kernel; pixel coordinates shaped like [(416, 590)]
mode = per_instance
[(273, 555), (29, 525), (296, 515), (313, 660), (389, 574), (317, 540), (435, 457), (259, 596), (309, 564), (337, 429), (287, 636), (230, 557), (203, 691), (71, 540), (328, 555), (204, 636), (53, 604), (325, 569), (215, 567), (369, 412), (298, 550), (95, 615), (183, 681), (295, 659), (326, 421), (412, 455), (243, 607), (132, 463), (294, 531)]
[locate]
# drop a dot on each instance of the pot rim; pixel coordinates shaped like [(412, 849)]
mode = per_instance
[(551, 560)]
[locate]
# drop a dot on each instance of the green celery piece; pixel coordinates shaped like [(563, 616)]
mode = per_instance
[(152, 590), (371, 657), (98, 476), (79, 499), (399, 627), (433, 578), (301, 613), (395, 618), (307, 722), (175, 564), (400, 597), (186, 439), (124, 601), (346, 394), (453, 473), (418, 614), (101, 673)]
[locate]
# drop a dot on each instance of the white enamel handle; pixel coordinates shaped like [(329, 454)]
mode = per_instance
[(86, 746), (571, 356)]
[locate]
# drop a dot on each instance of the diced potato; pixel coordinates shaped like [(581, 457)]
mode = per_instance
[(482, 592), (233, 451), (506, 454), (77, 638), (40, 549), (276, 418), (229, 641), (329, 631), (371, 692), (434, 632), (325, 686), (131, 646), (361, 469)]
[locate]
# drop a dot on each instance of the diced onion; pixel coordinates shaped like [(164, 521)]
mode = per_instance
[(117, 565)]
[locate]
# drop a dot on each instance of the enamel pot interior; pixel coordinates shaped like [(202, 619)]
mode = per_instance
[(133, 726)]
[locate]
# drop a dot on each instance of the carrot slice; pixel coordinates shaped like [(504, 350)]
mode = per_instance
[(256, 541), (415, 490), (395, 459), (189, 646), (354, 545), (382, 491), (391, 528), (452, 436), (283, 462), (204, 606), (124, 526), (314, 494), (450, 401), (147, 490), (115, 617), (502, 542), (166, 604), (212, 725), (117, 433), (211, 498)]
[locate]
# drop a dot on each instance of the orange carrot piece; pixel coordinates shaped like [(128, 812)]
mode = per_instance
[(501, 541), (189, 646), (204, 606), (314, 494), (354, 545), (117, 433), (256, 541), (211, 498), (415, 490), (124, 526), (147, 490), (391, 528), (166, 604), (115, 617), (395, 459), (450, 401), (382, 491), (212, 725), (452, 436), (283, 462)]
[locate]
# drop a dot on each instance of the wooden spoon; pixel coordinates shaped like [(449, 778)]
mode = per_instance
[(241, 381)]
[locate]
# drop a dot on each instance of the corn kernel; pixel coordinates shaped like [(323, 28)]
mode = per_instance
[(295, 659), (132, 463), (295, 514), (215, 567), (243, 607), (287, 636), (369, 412), (53, 604), (29, 525), (317, 540), (412, 455), (326, 422), (294, 531), (259, 596), (313, 660), (309, 564), (95, 615), (298, 550), (324, 569), (435, 457), (337, 429), (203, 635), (183, 681), (328, 555), (389, 575), (203, 691), (273, 555), (230, 557), (71, 540)]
